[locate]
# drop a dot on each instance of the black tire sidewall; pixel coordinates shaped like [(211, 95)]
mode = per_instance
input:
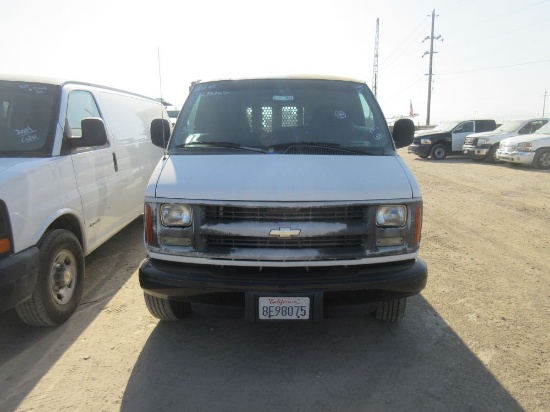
[(52, 243), (537, 159), (435, 148), (492, 154)]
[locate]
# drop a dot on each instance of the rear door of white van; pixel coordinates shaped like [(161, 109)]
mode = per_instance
[(95, 170)]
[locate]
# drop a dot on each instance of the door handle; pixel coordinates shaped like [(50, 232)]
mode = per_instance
[(115, 162)]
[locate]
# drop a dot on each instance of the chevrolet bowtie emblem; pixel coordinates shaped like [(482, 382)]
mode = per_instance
[(284, 232)]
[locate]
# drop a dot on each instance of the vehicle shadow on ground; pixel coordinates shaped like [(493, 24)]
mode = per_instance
[(108, 268), (206, 364)]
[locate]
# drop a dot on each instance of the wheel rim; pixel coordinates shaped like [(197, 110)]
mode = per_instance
[(544, 160), (439, 153), (63, 276)]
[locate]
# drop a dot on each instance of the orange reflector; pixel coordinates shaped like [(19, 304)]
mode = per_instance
[(5, 245), (148, 224), (418, 225)]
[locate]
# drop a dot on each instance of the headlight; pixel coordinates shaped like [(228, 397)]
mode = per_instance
[(425, 141), (391, 216), (176, 215), (481, 142), (525, 147)]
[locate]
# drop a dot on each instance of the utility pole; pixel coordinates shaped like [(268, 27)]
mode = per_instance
[(431, 53), (375, 64), (544, 103)]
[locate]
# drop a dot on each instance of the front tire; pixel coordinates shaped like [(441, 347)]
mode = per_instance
[(391, 310), (542, 159), (59, 283), (492, 156), (438, 152), (165, 309)]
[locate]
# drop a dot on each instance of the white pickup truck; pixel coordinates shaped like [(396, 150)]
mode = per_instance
[(481, 146), (75, 160), (532, 149)]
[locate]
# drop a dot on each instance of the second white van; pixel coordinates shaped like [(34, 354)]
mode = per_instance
[(75, 159)]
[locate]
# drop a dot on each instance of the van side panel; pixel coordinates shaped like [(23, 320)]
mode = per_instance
[(128, 121)]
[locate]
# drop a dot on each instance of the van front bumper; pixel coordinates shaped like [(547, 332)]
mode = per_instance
[(18, 275), (332, 288)]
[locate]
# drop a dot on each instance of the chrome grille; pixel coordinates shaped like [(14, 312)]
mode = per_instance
[(275, 243), (264, 214)]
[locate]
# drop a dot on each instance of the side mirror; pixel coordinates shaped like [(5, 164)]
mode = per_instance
[(403, 132), (160, 132), (93, 133)]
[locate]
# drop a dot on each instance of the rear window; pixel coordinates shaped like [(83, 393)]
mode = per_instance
[(273, 114)]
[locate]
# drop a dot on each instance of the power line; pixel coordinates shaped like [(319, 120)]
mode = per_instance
[(495, 67)]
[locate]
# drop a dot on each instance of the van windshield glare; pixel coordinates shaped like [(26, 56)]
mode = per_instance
[(264, 114)]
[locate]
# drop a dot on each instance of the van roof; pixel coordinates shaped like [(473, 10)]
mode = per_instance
[(289, 76), (55, 81)]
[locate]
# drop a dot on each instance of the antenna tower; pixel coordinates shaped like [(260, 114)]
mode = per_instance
[(375, 64)]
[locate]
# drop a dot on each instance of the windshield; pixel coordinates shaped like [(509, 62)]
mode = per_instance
[(273, 115), (510, 126), (445, 127), (27, 119)]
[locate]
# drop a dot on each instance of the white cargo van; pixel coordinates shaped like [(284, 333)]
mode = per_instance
[(75, 159), (283, 199)]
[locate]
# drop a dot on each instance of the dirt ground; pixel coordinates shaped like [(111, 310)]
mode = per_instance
[(476, 339)]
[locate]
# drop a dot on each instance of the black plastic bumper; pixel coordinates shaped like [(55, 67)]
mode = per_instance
[(17, 277), (237, 286), (420, 150)]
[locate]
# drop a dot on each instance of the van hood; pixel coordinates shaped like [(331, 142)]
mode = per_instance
[(285, 178)]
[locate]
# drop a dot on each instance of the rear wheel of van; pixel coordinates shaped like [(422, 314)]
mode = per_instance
[(165, 309), (438, 152), (391, 310), (59, 283), (542, 159)]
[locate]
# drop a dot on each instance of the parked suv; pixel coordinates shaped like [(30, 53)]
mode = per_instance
[(533, 149), (480, 146), (283, 199), (447, 138)]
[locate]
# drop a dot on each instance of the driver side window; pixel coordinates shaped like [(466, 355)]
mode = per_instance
[(466, 127)]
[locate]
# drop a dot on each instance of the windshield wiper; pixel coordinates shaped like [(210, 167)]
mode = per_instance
[(225, 145), (284, 146)]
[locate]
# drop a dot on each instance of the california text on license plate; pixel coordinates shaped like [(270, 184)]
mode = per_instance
[(283, 308)]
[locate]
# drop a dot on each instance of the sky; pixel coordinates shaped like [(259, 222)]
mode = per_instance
[(491, 57)]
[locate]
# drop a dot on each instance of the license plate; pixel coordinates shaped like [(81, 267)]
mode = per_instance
[(284, 308)]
